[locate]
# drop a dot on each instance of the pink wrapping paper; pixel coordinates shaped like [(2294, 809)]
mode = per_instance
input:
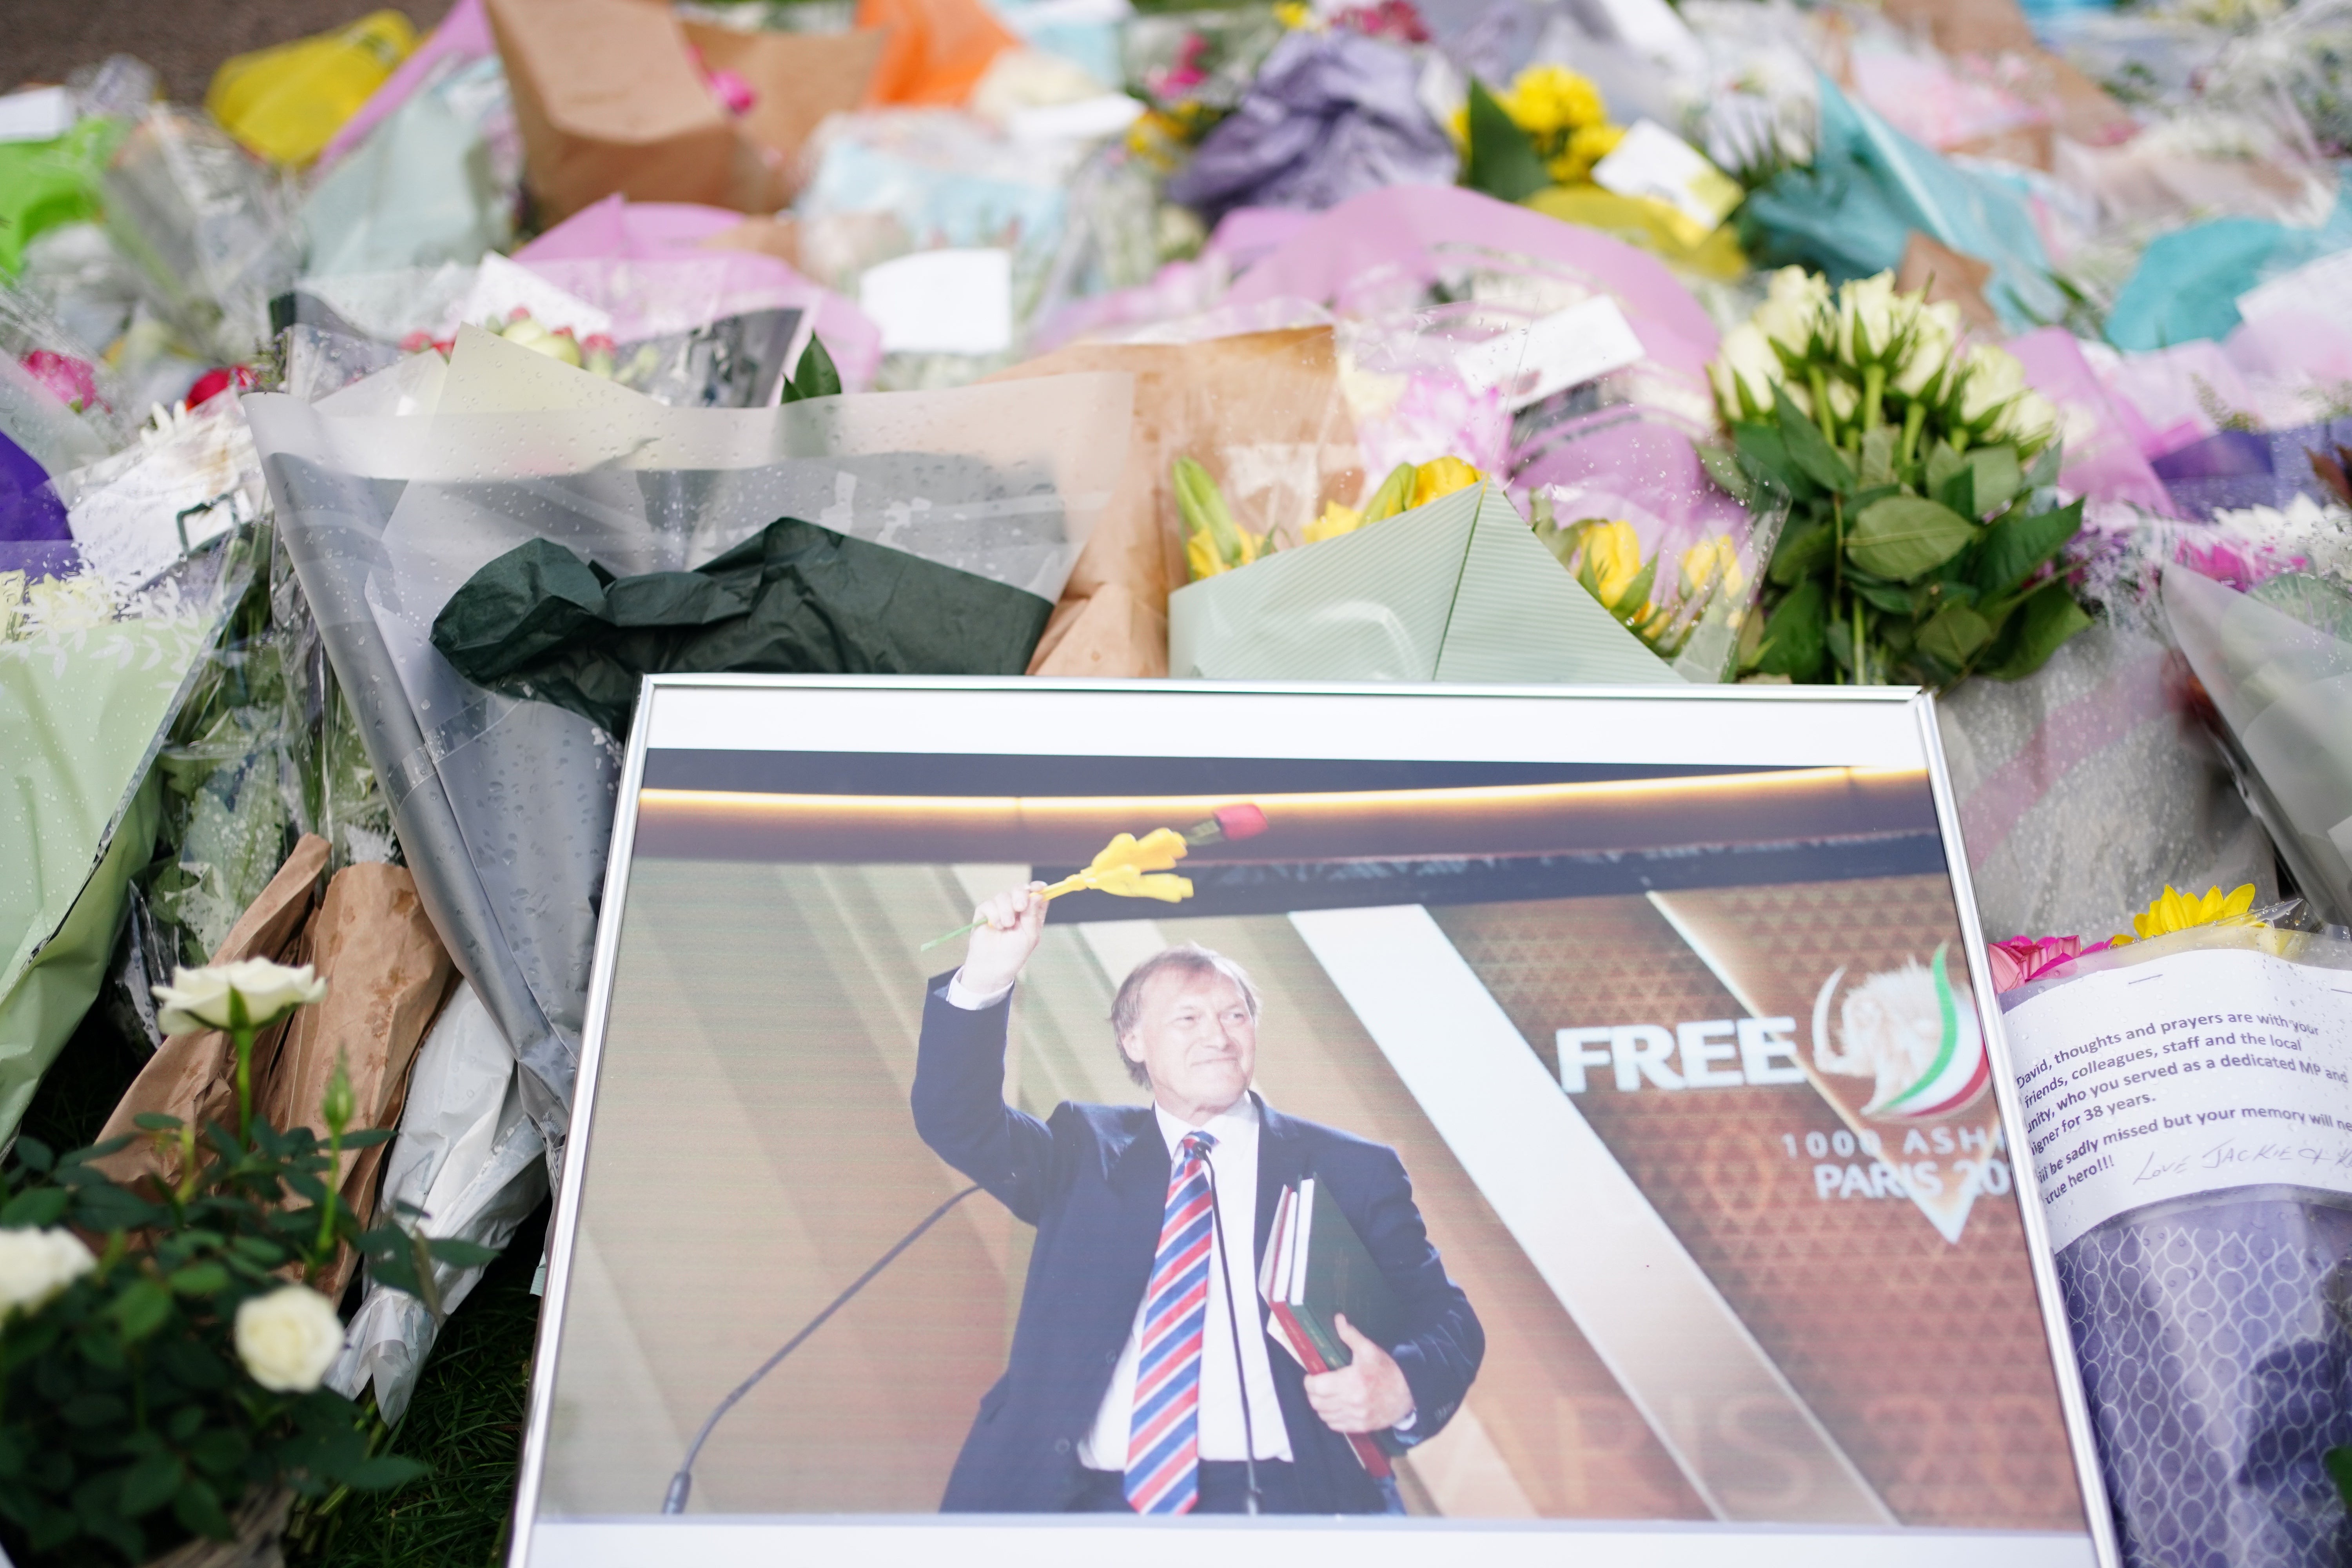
[(1398, 227), (2106, 448), (646, 263), (464, 35)]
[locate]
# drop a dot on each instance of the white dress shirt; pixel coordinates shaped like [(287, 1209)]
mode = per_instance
[(1234, 1162)]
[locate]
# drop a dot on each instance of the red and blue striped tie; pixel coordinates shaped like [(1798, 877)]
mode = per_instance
[(1163, 1446)]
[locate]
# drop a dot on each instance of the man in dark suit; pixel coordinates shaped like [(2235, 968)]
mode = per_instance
[(1141, 1377)]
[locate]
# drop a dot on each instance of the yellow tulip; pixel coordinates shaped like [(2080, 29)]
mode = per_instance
[(1612, 559), (1442, 477), (1336, 520), (2174, 911), (1711, 561)]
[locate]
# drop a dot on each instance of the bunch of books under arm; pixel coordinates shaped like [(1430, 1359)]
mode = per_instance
[(1317, 1267)]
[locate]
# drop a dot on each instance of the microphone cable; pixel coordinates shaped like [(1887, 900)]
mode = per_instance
[(682, 1483)]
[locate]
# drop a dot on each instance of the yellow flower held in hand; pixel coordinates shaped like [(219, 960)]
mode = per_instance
[(2174, 912)]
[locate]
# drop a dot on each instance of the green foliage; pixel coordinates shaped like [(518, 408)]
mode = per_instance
[(467, 1419), (815, 376), (1928, 568), (127, 1421), (1501, 160)]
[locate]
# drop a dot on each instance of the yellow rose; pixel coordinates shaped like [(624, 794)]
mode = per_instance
[(1708, 562)]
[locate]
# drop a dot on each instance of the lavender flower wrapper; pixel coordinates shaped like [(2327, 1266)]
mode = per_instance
[(2213, 1340), (1332, 115)]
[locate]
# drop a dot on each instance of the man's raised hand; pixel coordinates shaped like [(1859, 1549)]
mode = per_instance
[(1010, 925)]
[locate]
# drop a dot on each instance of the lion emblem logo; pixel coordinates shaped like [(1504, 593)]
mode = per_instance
[(1908, 1033)]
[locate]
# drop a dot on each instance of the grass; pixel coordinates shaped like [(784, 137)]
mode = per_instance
[(465, 1419)]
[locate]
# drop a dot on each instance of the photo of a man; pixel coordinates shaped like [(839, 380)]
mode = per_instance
[(1140, 1377)]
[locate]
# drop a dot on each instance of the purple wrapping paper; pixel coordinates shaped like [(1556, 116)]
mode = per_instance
[(2242, 468), (1331, 115), (29, 508), (2213, 1343)]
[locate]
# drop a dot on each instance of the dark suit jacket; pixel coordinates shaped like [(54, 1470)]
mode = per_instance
[(1093, 1180)]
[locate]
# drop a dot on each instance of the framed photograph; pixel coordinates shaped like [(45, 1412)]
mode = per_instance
[(1028, 1122)]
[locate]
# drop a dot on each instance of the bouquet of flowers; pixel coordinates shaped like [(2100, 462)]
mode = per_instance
[(1549, 127), (1925, 528), (1605, 555), (169, 1383)]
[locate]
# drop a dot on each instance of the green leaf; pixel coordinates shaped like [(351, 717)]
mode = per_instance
[(367, 1137), (1881, 597), (1501, 160), (1637, 592), (2013, 546), (199, 1511), (155, 1122), (110, 1207), (815, 376), (2045, 466), (1810, 451), (152, 1482), (1998, 478), (34, 1154), (1904, 536), (40, 1206), (1959, 491), (92, 1408), (1878, 455), (463, 1254), (96, 1152), (141, 1311), (1942, 464), (1761, 444), (1792, 636), (2047, 618), (1955, 635), (1723, 467), (1801, 552), (382, 1472), (200, 1279)]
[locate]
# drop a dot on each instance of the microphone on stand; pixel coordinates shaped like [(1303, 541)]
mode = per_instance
[(1250, 1499), (682, 1483)]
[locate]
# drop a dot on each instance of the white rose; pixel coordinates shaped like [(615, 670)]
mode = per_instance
[(1994, 378), (1870, 317), (1935, 334), (36, 1265), (199, 998), (1791, 312), (289, 1338), (1843, 400), (2033, 420), (1746, 363)]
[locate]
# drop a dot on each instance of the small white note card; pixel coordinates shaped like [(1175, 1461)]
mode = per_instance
[(941, 301), (35, 114), (1565, 349), (1652, 160)]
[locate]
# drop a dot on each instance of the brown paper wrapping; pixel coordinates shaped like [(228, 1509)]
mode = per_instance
[(387, 975), (608, 100), (193, 1076), (1947, 275), (1261, 389)]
